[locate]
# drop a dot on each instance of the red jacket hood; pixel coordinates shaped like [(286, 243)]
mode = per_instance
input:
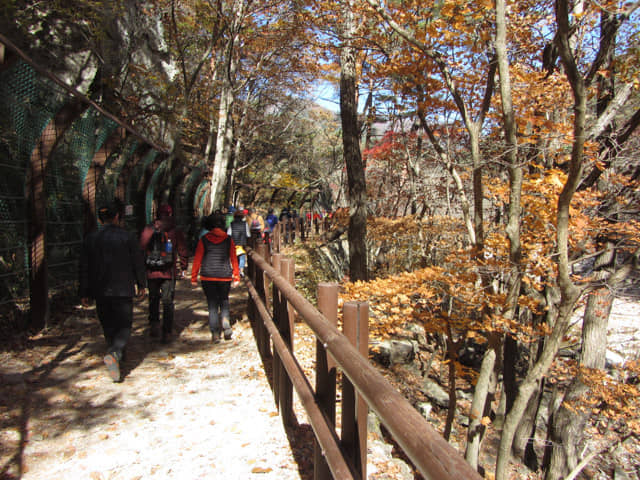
[(216, 235)]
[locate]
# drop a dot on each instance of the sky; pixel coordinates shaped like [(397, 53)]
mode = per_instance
[(326, 95)]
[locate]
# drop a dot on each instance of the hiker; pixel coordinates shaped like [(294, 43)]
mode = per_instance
[(286, 218), (239, 231), (271, 220), (163, 244), (229, 216), (216, 262), (112, 272), (256, 225)]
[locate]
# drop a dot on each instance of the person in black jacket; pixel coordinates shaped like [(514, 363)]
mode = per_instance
[(239, 232), (112, 272)]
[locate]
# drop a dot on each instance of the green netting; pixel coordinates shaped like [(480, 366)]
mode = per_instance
[(117, 162), (200, 196), (65, 178), (27, 103), (157, 174), (187, 216), (135, 195)]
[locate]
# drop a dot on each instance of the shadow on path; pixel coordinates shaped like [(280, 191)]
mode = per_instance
[(56, 383)]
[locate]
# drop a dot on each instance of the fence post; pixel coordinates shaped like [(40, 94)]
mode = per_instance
[(276, 313), (325, 375), (285, 325), (354, 408), (261, 282)]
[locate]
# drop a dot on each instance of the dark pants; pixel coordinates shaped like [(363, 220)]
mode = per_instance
[(162, 289), (116, 316), (217, 294)]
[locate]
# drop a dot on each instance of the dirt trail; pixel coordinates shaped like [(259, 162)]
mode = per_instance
[(186, 410)]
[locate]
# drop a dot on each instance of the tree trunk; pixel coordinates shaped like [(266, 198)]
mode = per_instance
[(224, 136), (529, 384), (569, 293), (351, 145), (526, 431), (452, 348), (483, 396), (568, 426)]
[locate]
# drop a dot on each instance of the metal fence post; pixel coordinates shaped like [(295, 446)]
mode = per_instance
[(354, 407)]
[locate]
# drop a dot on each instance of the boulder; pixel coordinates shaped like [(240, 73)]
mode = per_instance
[(435, 393), (393, 352)]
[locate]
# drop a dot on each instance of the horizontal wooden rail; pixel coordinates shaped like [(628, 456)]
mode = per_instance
[(424, 446)]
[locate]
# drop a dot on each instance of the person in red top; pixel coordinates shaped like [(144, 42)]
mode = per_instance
[(216, 262), (162, 277)]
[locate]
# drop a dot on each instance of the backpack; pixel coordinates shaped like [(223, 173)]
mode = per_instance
[(255, 224), (159, 253)]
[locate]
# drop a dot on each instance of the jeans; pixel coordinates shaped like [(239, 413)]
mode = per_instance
[(162, 289), (217, 294), (116, 317), (242, 260)]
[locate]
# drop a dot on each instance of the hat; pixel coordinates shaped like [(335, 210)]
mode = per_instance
[(165, 211), (231, 209)]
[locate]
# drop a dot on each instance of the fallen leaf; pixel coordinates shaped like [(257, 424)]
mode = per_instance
[(260, 470), (69, 452)]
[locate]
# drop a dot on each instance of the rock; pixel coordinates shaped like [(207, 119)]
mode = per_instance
[(613, 359), (471, 354), (435, 393), (392, 352), (402, 470), (424, 408), (418, 333), (373, 426), (382, 466), (463, 420)]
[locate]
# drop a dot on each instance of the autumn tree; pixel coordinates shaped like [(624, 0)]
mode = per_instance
[(526, 139)]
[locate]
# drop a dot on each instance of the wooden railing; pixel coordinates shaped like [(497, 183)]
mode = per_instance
[(272, 301)]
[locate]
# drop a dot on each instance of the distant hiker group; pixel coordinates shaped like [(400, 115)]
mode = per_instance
[(115, 267)]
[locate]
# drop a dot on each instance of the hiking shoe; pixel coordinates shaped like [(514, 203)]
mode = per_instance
[(227, 333), (113, 366), (215, 337)]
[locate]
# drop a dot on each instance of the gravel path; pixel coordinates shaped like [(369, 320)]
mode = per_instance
[(186, 410)]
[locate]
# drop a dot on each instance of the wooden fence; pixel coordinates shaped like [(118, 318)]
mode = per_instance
[(272, 301)]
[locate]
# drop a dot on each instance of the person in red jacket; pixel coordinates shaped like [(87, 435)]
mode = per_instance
[(216, 262), (163, 267)]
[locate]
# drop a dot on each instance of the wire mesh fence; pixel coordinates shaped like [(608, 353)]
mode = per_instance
[(54, 169)]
